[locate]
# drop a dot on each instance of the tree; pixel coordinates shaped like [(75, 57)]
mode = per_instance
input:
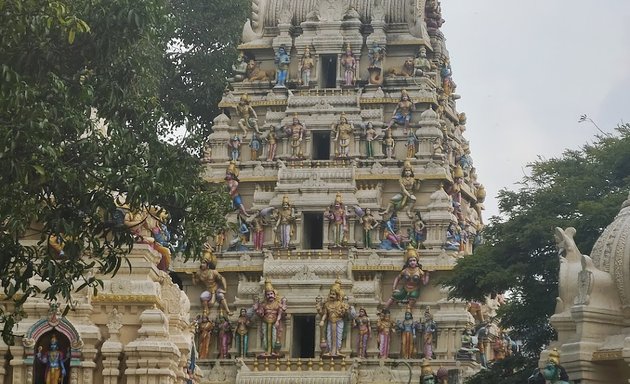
[(583, 189), (88, 91)]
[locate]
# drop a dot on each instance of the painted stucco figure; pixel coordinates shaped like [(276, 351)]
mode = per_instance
[(412, 277), (271, 312), (333, 314)]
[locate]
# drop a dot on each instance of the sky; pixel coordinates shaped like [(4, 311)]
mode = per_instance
[(527, 70)]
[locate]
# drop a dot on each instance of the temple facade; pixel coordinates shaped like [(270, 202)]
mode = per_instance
[(353, 192)]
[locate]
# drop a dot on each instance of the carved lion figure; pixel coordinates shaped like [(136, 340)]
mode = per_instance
[(254, 73), (406, 71)]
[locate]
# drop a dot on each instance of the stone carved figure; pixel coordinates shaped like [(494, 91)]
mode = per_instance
[(376, 54), (407, 329), (241, 333), (384, 326), (412, 141), (285, 224), (254, 73), (214, 284), (248, 117), (296, 131), (54, 360), (421, 64), (338, 216), (282, 61), (349, 64), (232, 181), (272, 144), (205, 328), (225, 336), (342, 133), (389, 143), (402, 112), (391, 238), (307, 63), (255, 146), (234, 146), (427, 376), (271, 311), (362, 322), (429, 330), (448, 85), (418, 231), (370, 135), (368, 223), (406, 198), (240, 68), (412, 278), (570, 266), (333, 314), (553, 371)]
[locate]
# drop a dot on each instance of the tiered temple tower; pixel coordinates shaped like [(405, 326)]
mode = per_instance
[(342, 146)]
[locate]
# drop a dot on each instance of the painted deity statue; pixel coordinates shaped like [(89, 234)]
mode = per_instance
[(370, 135), (391, 238), (255, 146), (296, 131), (271, 311), (205, 328), (54, 360), (553, 371), (240, 67), (362, 322), (306, 67), (421, 64), (406, 198), (225, 336), (248, 117), (349, 64), (214, 284), (407, 329), (402, 112), (333, 314), (232, 181), (272, 145), (234, 146), (429, 329), (418, 231), (412, 278), (427, 376), (338, 217), (385, 326), (258, 231), (241, 333), (390, 144), (282, 61), (368, 223), (343, 133), (284, 227)]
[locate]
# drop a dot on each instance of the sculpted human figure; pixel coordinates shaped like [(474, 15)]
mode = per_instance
[(54, 360), (338, 217), (271, 311), (306, 67), (429, 329), (240, 67), (255, 146), (370, 135), (282, 61), (427, 376), (225, 336), (412, 278), (242, 329), (412, 141), (285, 223), (553, 371), (272, 145), (368, 223), (407, 329), (234, 145), (232, 181), (406, 198), (390, 144), (248, 117), (343, 132), (362, 322), (385, 326), (349, 64), (333, 313), (296, 131), (391, 238), (421, 64), (214, 284), (205, 328), (403, 110)]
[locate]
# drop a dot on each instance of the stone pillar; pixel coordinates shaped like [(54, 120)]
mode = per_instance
[(219, 137), (3, 362), (438, 219)]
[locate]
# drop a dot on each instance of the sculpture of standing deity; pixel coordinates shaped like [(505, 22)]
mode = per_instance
[(214, 283), (403, 110), (343, 132), (225, 336), (349, 64), (333, 314), (385, 326), (282, 61), (407, 329), (406, 198), (248, 117), (296, 131), (241, 333), (368, 223), (284, 227), (338, 217), (306, 67), (54, 361), (370, 135), (412, 277), (271, 311), (362, 322)]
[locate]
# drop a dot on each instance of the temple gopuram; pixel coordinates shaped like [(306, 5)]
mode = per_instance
[(353, 192)]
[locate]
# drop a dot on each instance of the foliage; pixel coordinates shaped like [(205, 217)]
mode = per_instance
[(88, 91), (583, 189)]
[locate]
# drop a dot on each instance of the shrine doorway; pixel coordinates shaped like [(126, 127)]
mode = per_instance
[(328, 78), (313, 230), (303, 337), (321, 145)]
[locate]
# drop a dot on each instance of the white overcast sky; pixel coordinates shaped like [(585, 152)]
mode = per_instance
[(526, 71)]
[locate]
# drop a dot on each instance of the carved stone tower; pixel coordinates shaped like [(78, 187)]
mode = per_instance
[(345, 156)]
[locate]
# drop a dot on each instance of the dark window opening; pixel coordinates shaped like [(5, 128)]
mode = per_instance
[(321, 145), (313, 230), (328, 79), (303, 336)]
